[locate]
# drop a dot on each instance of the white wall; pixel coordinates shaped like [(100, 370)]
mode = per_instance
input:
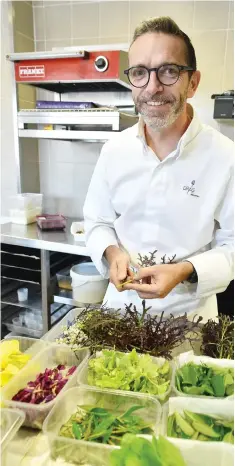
[(9, 168)]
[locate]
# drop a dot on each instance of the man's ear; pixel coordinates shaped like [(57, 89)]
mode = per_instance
[(193, 83)]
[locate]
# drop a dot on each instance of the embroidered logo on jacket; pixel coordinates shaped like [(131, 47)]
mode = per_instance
[(191, 189)]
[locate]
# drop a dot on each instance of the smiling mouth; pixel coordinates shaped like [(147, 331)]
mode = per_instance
[(153, 103)]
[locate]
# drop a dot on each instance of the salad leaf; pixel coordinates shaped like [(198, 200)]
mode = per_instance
[(194, 379), (197, 426), (133, 372), (46, 386), (217, 382), (77, 431), (137, 451), (100, 425)]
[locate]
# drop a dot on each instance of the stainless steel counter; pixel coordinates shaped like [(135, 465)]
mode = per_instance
[(59, 241), (32, 236)]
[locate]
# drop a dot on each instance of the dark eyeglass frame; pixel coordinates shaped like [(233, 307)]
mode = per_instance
[(180, 69)]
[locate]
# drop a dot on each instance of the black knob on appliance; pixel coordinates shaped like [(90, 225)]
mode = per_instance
[(101, 63)]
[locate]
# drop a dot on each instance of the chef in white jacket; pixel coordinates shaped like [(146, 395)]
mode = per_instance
[(164, 185)]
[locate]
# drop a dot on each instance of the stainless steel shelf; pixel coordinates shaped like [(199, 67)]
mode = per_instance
[(90, 136), (64, 297), (34, 303)]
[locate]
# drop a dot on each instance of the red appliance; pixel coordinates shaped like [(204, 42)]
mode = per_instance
[(77, 71)]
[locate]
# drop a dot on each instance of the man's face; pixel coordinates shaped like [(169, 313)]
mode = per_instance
[(159, 105)]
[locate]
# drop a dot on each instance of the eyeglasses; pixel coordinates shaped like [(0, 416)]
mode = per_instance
[(168, 74)]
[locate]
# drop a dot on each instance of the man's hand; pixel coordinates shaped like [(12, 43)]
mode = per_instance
[(157, 281), (119, 262)]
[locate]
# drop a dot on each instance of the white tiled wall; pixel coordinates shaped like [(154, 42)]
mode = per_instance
[(8, 160), (66, 167)]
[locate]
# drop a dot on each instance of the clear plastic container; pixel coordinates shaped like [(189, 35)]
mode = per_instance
[(93, 453), (212, 407), (56, 331), (49, 357), (26, 201), (22, 324), (185, 358), (24, 217), (10, 422), (22, 294), (82, 380), (207, 453), (64, 280), (51, 222), (203, 453), (30, 346), (25, 207)]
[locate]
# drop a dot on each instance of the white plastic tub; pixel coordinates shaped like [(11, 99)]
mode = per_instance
[(88, 285)]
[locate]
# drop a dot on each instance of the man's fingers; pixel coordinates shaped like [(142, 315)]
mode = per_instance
[(145, 272), (122, 270), (113, 274), (119, 272), (146, 291), (142, 288), (146, 296)]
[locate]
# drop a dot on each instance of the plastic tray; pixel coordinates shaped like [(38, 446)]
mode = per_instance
[(10, 422), (48, 358), (203, 453), (56, 331), (83, 375), (51, 222), (27, 345), (23, 329), (185, 358), (92, 453), (211, 407)]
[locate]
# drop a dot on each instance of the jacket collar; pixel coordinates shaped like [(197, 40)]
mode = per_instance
[(191, 132)]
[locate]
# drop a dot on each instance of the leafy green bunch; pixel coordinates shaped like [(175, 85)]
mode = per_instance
[(195, 426), (127, 329), (137, 451), (102, 426), (132, 371), (218, 338), (206, 380)]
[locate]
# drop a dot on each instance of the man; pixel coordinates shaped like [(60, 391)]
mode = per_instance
[(164, 185)]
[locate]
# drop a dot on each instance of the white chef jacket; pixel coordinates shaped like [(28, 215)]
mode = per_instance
[(182, 205)]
